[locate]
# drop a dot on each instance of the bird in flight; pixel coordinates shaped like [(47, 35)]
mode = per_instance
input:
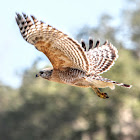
[(73, 63)]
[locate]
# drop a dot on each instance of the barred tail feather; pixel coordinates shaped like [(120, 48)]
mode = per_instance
[(123, 85), (100, 78)]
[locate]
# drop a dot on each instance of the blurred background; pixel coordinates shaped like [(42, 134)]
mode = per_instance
[(35, 109)]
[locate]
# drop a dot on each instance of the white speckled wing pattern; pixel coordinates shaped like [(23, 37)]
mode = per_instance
[(102, 58), (58, 47)]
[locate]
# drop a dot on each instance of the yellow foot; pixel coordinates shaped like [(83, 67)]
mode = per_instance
[(99, 93), (103, 95)]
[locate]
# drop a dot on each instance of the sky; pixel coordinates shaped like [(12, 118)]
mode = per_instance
[(69, 16)]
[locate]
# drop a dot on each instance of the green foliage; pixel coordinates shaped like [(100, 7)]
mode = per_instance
[(41, 110)]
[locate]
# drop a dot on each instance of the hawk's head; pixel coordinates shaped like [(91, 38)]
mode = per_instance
[(45, 73)]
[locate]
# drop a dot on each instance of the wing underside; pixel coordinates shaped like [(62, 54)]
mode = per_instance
[(61, 50), (102, 58)]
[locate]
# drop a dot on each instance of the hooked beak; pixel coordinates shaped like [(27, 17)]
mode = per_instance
[(37, 75)]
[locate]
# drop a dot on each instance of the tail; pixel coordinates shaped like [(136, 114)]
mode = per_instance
[(122, 84), (100, 82), (100, 78)]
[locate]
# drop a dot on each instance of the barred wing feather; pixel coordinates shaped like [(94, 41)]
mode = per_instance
[(61, 50), (102, 58)]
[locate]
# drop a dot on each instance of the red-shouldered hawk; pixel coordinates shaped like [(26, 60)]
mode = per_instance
[(73, 63)]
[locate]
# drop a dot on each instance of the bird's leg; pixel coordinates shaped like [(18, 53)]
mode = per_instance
[(99, 93)]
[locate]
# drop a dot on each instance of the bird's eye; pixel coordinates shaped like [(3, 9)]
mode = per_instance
[(41, 72)]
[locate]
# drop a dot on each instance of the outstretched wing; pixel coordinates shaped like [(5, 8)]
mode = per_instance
[(61, 50), (101, 58)]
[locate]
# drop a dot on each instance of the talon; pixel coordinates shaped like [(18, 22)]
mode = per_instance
[(103, 95), (100, 94), (106, 95)]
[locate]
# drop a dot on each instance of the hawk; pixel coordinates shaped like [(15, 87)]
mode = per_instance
[(73, 63)]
